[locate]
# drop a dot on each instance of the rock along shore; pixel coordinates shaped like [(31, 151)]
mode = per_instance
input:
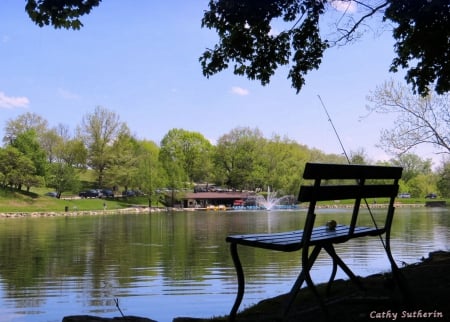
[(142, 209), (73, 213)]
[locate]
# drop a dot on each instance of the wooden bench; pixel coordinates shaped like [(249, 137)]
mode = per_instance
[(328, 182)]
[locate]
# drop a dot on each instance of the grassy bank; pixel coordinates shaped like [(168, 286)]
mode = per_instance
[(37, 201)]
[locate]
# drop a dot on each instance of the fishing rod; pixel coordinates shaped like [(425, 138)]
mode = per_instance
[(334, 128), (349, 162)]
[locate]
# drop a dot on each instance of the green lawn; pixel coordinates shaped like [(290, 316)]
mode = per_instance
[(37, 201)]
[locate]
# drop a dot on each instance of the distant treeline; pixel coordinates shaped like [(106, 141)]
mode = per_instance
[(35, 154)]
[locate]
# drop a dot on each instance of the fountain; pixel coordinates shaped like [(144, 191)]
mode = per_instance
[(273, 202), (270, 202)]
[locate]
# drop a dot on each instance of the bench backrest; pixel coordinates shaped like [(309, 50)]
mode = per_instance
[(343, 182)]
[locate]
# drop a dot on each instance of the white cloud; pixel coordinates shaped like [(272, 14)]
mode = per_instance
[(344, 6), (13, 102), (239, 91)]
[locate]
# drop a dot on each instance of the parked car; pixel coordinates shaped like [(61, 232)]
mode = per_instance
[(92, 193), (431, 196), (53, 194), (107, 193), (404, 195), (128, 193)]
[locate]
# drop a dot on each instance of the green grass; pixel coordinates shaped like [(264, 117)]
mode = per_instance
[(36, 201), (410, 201), (12, 200)]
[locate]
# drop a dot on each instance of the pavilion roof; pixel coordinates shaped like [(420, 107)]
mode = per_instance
[(218, 195)]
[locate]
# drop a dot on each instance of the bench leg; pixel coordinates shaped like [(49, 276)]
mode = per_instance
[(333, 275), (241, 281), (338, 261), (397, 274), (308, 279), (301, 278)]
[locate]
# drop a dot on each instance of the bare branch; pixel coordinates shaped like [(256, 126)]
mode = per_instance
[(420, 120), (372, 11)]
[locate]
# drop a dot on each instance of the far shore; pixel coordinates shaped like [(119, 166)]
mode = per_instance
[(73, 213), (143, 209)]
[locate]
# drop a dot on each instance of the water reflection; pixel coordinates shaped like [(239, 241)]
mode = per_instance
[(173, 264)]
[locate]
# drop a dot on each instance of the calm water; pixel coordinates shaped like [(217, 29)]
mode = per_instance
[(167, 265)]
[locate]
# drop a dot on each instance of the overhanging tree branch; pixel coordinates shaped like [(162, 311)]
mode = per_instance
[(373, 11)]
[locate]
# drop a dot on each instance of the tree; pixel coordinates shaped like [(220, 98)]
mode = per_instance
[(151, 173), (61, 13), (99, 130), (23, 123), (412, 165), (72, 152), (419, 120), (246, 37), (358, 157), (422, 184), (69, 154), (50, 140), (237, 158), (62, 177), (422, 33), (283, 161), (443, 182), (16, 169), (191, 150), (122, 168), (249, 44), (27, 143), (417, 176)]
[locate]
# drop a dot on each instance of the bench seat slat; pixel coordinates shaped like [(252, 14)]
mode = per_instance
[(292, 240)]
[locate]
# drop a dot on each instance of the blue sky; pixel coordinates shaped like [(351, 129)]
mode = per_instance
[(141, 61)]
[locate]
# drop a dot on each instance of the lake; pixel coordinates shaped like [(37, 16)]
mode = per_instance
[(171, 264)]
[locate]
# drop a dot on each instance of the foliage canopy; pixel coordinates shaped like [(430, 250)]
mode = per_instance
[(61, 13), (421, 29), (248, 43)]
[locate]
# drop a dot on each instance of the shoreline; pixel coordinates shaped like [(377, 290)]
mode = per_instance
[(38, 214), (144, 209)]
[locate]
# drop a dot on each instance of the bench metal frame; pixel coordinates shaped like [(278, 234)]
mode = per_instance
[(365, 182)]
